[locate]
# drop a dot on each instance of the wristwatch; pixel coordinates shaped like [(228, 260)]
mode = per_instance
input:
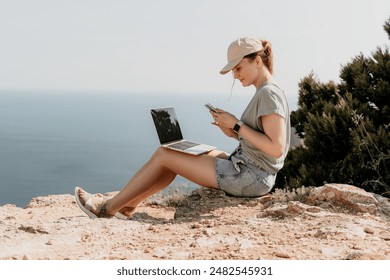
[(237, 126)]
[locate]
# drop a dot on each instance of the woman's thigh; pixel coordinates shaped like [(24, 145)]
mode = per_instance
[(198, 169)]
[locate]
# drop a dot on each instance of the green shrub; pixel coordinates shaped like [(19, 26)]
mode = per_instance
[(344, 127)]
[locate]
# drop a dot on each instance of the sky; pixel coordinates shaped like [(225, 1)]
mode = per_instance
[(177, 46)]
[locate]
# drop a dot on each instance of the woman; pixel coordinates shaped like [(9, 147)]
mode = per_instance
[(263, 133)]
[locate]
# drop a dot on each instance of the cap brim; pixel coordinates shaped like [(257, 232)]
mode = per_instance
[(230, 65)]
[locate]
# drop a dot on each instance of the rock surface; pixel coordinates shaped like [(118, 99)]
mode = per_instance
[(331, 222)]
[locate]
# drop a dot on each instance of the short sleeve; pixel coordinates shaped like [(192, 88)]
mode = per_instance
[(271, 102)]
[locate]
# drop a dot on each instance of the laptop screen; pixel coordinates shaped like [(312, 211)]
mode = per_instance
[(167, 125)]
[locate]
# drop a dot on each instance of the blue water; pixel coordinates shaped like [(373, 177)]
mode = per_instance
[(51, 142)]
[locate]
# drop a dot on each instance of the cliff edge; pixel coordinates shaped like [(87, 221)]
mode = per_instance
[(329, 222)]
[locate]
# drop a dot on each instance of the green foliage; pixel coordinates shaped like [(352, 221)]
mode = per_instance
[(371, 153), (386, 27), (345, 127)]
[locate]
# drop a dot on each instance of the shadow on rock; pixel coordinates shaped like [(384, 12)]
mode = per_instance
[(202, 203)]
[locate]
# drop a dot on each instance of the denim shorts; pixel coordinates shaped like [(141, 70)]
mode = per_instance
[(238, 176)]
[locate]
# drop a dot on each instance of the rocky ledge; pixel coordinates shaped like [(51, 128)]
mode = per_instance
[(330, 222)]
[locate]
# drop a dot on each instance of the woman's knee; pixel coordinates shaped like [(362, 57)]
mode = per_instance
[(161, 154)]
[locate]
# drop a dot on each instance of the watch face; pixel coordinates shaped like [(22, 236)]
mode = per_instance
[(236, 128)]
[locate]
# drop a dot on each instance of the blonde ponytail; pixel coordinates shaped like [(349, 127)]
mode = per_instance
[(266, 55)]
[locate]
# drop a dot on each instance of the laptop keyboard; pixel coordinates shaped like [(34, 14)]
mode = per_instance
[(183, 145)]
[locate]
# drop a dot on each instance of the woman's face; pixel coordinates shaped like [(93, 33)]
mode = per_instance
[(247, 71)]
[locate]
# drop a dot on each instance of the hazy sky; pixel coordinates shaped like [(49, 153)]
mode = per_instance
[(175, 45)]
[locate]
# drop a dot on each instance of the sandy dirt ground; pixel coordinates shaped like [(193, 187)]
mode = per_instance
[(205, 225)]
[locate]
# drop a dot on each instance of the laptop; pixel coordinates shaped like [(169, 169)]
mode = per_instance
[(169, 133)]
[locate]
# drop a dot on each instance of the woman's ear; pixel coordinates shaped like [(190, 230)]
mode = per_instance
[(259, 61)]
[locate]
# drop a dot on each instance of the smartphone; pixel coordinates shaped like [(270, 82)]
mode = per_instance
[(211, 107)]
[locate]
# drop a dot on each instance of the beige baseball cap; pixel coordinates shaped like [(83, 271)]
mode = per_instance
[(238, 49)]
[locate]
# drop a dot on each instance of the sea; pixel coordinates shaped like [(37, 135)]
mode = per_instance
[(52, 141)]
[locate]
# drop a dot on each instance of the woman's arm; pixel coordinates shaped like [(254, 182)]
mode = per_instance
[(227, 131), (273, 141)]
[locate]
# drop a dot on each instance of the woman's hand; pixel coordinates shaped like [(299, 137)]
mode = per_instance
[(225, 121)]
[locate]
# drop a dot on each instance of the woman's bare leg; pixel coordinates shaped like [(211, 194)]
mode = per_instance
[(159, 172), (219, 154), (129, 208), (160, 185)]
